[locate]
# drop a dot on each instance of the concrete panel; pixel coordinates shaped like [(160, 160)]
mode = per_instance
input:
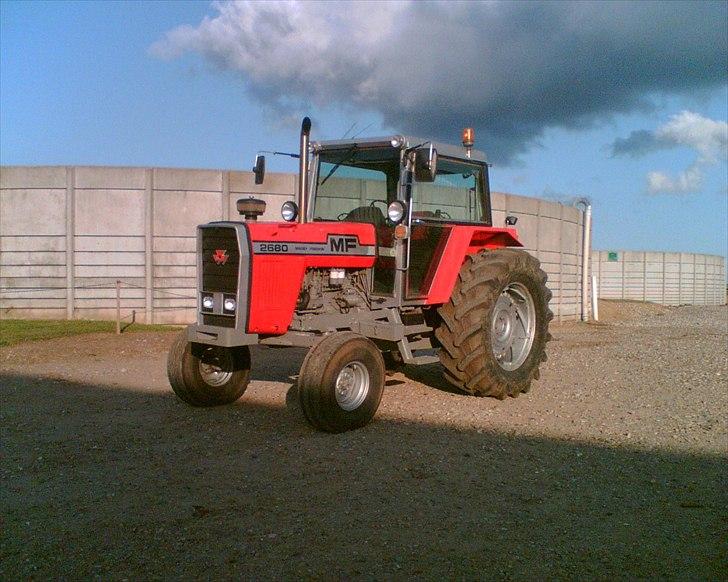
[(108, 178), (570, 236), (30, 244), (109, 212), (33, 271), (26, 303), (571, 214), (32, 294), (33, 282), (125, 293), (183, 244), (115, 271), (528, 230), (193, 180), (29, 177), (32, 258), (519, 205), (274, 183), (109, 244), (549, 233), (177, 213), (175, 259), (33, 212), (498, 201), (109, 258), (175, 271), (550, 209)]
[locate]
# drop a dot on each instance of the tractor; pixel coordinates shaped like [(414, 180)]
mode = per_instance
[(387, 256)]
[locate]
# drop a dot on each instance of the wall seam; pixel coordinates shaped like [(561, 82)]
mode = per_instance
[(149, 244)]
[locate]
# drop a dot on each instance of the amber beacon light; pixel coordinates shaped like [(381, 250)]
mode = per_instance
[(468, 139)]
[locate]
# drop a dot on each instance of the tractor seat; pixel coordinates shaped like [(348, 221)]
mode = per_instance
[(369, 214)]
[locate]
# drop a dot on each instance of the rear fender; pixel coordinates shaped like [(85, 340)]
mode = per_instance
[(462, 242)]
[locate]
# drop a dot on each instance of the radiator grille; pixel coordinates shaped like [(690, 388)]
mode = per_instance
[(220, 277), (218, 320)]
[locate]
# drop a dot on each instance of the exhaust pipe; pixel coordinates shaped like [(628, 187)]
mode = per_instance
[(303, 170)]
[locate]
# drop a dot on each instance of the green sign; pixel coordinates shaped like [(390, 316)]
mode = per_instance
[(612, 256)]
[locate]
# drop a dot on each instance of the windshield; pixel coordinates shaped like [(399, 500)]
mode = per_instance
[(356, 184)]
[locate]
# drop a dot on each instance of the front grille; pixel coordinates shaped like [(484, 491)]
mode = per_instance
[(218, 320), (220, 277)]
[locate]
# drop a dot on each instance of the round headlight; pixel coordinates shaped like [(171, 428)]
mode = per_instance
[(229, 304), (207, 302), (289, 211), (395, 211)]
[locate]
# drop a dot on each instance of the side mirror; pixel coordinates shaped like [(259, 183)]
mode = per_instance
[(511, 220), (259, 169), (425, 164)]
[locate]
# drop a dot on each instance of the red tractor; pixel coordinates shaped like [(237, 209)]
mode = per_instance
[(389, 253)]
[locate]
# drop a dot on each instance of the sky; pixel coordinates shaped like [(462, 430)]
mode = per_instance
[(624, 103)]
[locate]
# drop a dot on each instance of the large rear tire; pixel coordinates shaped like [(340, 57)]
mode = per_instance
[(341, 382), (495, 327), (203, 375)]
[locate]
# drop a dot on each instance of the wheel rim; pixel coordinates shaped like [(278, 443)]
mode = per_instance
[(216, 366), (513, 326), (352, 386)]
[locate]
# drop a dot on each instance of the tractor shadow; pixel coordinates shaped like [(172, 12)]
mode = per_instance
[(105, 481)]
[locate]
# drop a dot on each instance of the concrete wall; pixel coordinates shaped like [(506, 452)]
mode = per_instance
[(664, 278), (68, 233)]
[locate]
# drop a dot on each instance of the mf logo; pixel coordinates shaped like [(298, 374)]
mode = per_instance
[(342, 244), (220, 256)]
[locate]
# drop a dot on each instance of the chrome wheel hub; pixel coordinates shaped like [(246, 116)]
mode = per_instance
[(216, 366), (513, 326), (352, 386)]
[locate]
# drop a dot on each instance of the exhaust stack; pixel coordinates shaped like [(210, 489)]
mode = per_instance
[(303, 170)]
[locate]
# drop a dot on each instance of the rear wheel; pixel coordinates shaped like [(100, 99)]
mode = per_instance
[(495, 327), (341, 382), (203, 375)]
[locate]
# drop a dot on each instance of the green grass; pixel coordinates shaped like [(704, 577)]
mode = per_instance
[(15, 331)]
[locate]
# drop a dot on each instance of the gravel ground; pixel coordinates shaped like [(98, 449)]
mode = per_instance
[(612, 467)]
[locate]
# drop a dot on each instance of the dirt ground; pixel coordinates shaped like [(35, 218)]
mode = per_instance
[(612, 467)]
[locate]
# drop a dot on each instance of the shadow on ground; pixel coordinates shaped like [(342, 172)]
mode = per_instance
[(109, 482)]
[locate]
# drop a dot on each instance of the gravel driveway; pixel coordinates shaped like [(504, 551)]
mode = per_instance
[(612, 467)]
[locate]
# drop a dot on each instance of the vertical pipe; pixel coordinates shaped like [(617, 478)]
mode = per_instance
[(303, 170), (585, 250), (594, 298)]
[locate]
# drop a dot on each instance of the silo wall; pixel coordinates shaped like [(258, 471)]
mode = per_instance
[(660, 277), (68, 233)]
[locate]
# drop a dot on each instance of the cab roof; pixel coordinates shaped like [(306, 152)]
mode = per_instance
[(402, 141)]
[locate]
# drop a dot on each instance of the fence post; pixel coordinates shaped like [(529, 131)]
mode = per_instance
[(118, 307)]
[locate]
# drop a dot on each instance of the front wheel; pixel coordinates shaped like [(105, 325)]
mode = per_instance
[(341, 382), (203, 375), (495, 327)]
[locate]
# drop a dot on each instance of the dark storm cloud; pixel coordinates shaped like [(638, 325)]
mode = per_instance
[(511, 69)]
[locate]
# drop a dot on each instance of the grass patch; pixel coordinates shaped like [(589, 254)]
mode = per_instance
[(15, 331)]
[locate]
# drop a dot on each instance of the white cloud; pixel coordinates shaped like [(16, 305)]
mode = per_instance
[(707, 137)]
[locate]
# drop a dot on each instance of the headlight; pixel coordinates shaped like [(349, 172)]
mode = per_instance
[(229, 304), (207, 302), (396, 211), (289, 211)]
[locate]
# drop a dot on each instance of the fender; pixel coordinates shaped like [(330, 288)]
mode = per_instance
[(282, 252), (461, 242)]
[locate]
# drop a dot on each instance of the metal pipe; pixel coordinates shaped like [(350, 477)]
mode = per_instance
[(303, 170), (585, 252), (595, 298)]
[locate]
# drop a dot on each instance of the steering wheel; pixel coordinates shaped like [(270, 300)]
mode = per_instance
[(440, 214), (342, 216), (373, 204)]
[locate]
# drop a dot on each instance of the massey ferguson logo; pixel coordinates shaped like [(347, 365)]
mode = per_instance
[(220, 256)]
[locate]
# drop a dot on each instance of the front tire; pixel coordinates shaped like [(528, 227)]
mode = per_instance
[(495, 327), (341, 382), (203, 375)]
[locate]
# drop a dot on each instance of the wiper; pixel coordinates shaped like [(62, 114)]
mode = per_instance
[(336, 166)]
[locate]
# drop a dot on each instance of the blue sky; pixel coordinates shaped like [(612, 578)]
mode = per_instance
[(120, 84)]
